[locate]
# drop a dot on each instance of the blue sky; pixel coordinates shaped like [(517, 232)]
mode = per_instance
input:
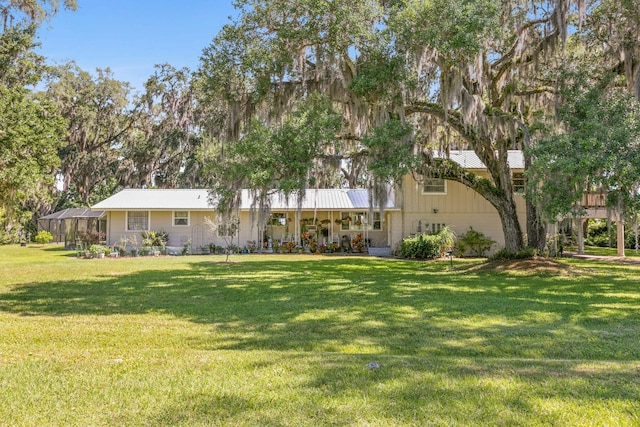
[(131, 36)]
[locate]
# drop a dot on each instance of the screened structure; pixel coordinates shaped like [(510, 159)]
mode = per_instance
[(72, 225)]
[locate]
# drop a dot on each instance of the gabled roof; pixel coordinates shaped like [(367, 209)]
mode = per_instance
[(193, 200), (82, 213), (156, 199), (468, 159)]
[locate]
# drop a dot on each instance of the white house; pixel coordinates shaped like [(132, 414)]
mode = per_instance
[(331, 215)]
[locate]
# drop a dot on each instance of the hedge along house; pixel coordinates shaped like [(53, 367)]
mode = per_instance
[(329, 215)]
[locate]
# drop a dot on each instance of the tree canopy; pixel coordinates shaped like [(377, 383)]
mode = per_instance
[(297, 94), (456, 74)]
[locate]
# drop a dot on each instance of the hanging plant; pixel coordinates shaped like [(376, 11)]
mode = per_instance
[(338, 221), (325, 221)]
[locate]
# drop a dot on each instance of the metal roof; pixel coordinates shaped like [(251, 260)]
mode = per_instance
[(322, 199), (468, 159), (182, 199), (156, 199), (74, 213)]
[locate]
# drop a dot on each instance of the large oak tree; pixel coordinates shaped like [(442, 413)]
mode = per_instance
[(462, 74)]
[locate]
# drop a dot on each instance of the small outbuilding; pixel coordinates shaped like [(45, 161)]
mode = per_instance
[(74, 224)]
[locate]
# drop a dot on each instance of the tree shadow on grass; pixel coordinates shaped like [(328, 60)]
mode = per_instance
[(363, 306), (339, 389)]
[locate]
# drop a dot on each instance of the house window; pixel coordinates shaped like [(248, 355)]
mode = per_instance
[(278, 219), (518, 182), (358, 221), (434, 186), (137, 220), (353, 220), (436, 228), (180, 218), (377, 221)]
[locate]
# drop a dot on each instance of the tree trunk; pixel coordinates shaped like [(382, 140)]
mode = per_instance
[(536, 229), (493, 153), (506, 208)]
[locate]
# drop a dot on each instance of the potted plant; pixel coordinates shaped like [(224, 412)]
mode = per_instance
[(313, 244), (154, 241), (97, 251), (115, 251), (358, 242)]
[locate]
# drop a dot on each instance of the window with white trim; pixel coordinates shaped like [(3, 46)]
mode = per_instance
[(436, 228), (137, 220), (518, 182), (181, 218), (377, 221), (434, 186), (359, 221), (278, 219)]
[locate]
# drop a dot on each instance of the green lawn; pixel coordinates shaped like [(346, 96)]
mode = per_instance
[(599, 251), (285, 341)]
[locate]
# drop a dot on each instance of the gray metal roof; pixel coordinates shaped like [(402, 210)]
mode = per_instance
[(322, 199), (182, 199), (156, 199), (469, 159), (74, 213)]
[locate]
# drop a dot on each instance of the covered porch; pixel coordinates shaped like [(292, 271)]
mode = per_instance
[(594, 206)]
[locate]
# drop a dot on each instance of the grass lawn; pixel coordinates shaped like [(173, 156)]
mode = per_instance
[(286, 341), (599, 251)]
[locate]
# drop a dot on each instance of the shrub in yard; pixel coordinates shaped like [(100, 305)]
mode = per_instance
[(88, 238), (427, 246), (473, 243), (504, 255), (424, 246), (95, 250), (447, 240), (156, 239), (358, 243), (43, 237)]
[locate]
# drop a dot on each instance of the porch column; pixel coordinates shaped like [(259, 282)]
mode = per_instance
[(580, 222), (620, 230)]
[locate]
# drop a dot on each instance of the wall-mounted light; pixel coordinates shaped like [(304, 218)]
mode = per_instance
[(435, 211)]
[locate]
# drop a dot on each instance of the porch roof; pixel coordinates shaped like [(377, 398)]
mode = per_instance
[(81, 213), (184, 199)]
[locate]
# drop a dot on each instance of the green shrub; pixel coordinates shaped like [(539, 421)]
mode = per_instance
[(156, 239), (473, 243), (97, 249), (504, 254), (9, 237), (447, 240), (43, 237), (88, 238), (427, 246)]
